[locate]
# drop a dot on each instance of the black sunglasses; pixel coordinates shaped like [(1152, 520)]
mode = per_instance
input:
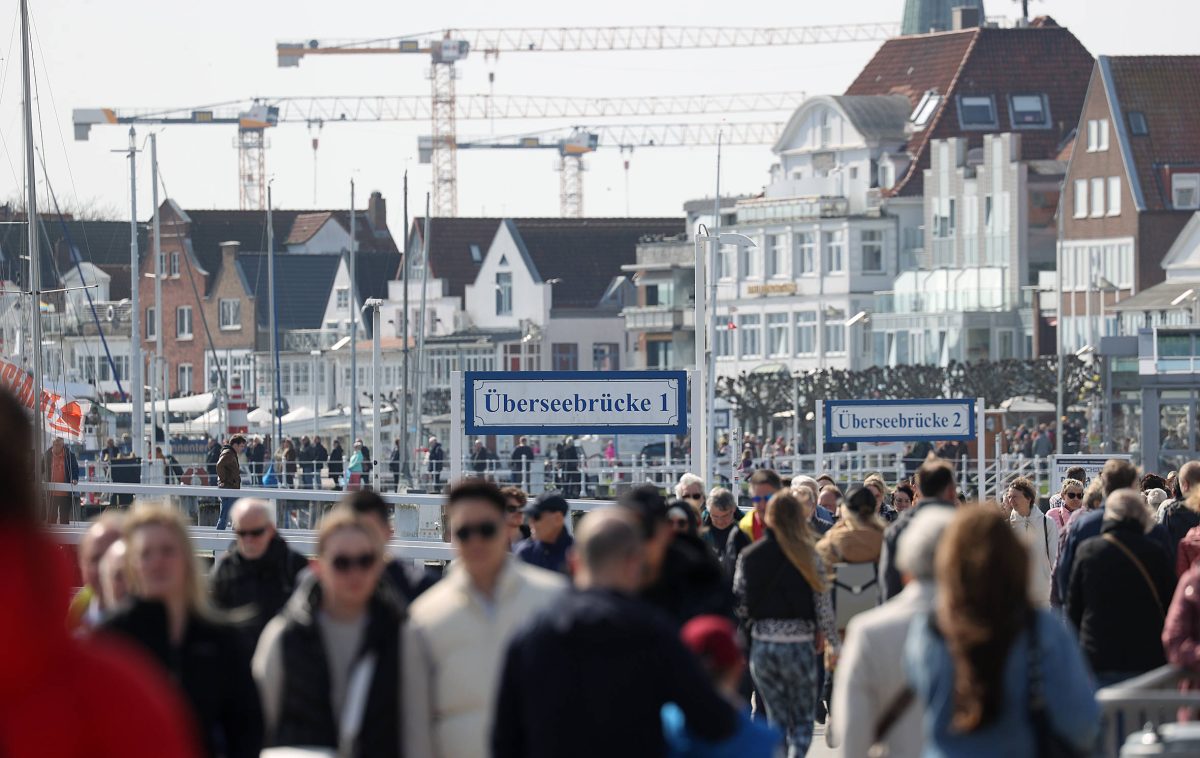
[(487, 530), (512, 508), (679, 523), (343, 563), (693, 496), (760, 498), (251, 532), (1072, 495)]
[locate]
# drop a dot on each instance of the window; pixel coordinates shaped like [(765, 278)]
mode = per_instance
[(1185, 191), (806, 333), (1097, 196), (826, 128), (987, 213), (775, 254), (724, 262), (122, 362), (174, 264), (1114, 196), (750, 329), (835, 335), (476, 254), (183, 322), (1029, 111), (184, 383), (659, 354), (805, 244), (1137, 124), (343, 298), (606, 356), (564, 357), (723, 343), (872, 251), (945, 217), (777, 334), (150, 323), (977, 112), (503, 293), (749, 263), (925, 109), (1097, 135), (231, 313), (1081, 199), (835, 251)]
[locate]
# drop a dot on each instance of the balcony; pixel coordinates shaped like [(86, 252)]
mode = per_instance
[(659, 318), (951, 301), (791, 209), (306, 340), (1169, 351)]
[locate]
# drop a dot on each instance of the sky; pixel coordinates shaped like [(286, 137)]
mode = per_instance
[(143, 53)]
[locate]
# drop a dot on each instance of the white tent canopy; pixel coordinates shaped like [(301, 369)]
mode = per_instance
[(190, 404), (1027, 404)]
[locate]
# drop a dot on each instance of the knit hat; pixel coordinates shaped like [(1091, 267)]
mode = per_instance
[(713, 639)]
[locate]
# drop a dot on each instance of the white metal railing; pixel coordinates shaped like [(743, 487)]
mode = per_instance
[(1149, 700)]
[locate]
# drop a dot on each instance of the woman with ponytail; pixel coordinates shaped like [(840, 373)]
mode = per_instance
[(783, 598), (985, 660)]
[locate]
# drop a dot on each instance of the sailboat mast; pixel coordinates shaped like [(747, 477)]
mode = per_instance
[(35, 257)]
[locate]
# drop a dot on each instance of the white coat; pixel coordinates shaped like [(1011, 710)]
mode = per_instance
[(1040, 535)]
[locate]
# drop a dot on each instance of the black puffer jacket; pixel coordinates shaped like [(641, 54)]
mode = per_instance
[(211, 669), (775, 589), (261, 586), (691, 582), (306, 716), (1110, 602)]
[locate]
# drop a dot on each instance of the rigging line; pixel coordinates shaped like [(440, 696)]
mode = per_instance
[(3, 79), (195, 292), (91, 303)]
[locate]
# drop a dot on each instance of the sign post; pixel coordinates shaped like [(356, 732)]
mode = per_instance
[(456, 425), (1091, 465), (980, 428)]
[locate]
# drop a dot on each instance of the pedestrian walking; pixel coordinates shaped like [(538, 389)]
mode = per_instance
[(515, 501), (522, 463), (304, 457), (394, 463), (356, 467), (1039, 534), (258, 574), (320, 458), (407, 580), (984, 663), (1071, 498), (1119, 588), (784, 599), (59, 466), (764, 483), (722, 535), (626, 656), (88, 607), (170, 620), (459, 629), (328, 666), (857, 537), (549, 540), (437, 457), (1181, 633), (1181, 516), (229, 475), (935, 484), (337, 458)]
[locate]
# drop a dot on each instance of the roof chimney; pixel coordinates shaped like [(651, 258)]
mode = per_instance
[(377, 211), (964, 17), (229, 252)]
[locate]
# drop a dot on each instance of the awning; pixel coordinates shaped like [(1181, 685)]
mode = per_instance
[(190, 404), (1158, 297), (1027, 405)]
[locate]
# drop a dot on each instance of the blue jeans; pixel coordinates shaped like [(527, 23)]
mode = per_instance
[(785, 677), (226, 506)]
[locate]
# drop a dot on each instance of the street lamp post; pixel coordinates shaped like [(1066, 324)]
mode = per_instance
[(316, 364), (374, 304)]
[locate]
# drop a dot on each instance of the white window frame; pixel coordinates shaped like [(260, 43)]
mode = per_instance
[(1097, 192), (174, 264), (778, 325), (775, 256), (189, 386), (183, 318), (807, 321), (831, 240), (1114, 196), (723, 343), (504, 293), (1045, 123), (231, 324), (1103, 129), (874, 242), (991, 101), (341, 298), (1080, 199), (748, 265), (1185, 182), (150, 322), (804, 247), (747, 324), (834, 336)]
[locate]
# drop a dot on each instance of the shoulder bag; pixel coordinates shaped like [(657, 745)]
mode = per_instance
[(1109, 538)]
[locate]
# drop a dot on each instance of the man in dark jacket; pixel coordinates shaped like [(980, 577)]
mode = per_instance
[(436, 458), (723, 536), (935, 488), (683, 579), (60, 467), (337, 458), (256, 453), (229, 475), (394, 463), (259, 572), (522, 463), (211, 456), (304, 457), (407, 580), (549, 541), (1121, 584), (629, 656), (320, 456)]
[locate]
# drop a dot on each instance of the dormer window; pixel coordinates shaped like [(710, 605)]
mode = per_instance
[(1137, 124), (977, 112), (925, 109), (1185, 191), (476, 254), (1029, 111)]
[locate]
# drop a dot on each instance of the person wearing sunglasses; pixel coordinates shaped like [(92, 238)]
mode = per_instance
[(690, 489), (764, 483), (328, 666), (259, 572), (549, 540), (1070, 497), (406, 579), (457, 631), (683, 519), (515, 501)]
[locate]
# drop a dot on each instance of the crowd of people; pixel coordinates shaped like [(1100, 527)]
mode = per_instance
[(675, 624)]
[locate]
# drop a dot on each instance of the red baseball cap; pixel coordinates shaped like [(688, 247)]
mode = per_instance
[(714, 640)]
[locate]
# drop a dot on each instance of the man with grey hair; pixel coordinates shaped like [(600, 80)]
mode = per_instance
[(259, 572), (870, 673), (822, 513), (1120, 585), (690, 488), (627, 654)]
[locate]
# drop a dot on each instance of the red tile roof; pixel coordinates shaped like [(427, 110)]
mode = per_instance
[(306, 225), (1166, 89), (1044, 58)]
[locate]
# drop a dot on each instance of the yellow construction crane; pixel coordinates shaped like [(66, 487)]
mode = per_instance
[(577, 142), (253, 117), (448, 47)]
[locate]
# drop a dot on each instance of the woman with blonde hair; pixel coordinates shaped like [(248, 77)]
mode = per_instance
[(783, 598), (169, 617), (984, 662)]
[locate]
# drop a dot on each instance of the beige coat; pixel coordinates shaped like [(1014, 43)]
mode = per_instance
[(453, 650)]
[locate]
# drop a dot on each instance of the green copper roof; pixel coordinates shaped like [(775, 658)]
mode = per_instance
[(921, 16)]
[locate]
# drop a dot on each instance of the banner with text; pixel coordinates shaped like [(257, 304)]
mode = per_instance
[(932, 420), (576, 402)]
